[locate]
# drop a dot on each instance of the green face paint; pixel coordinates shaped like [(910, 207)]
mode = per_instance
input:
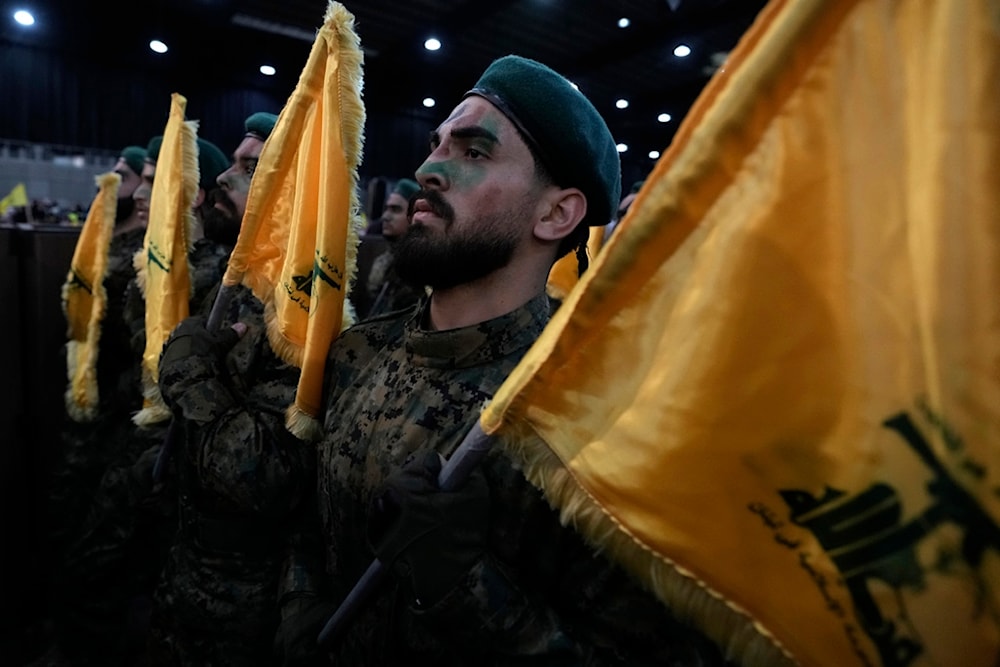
[(462, 169)]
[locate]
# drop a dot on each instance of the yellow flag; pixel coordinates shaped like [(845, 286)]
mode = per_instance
[(298, 242), (162, 264), (18, 196), (775, 398), (565, 272), (84, 299)]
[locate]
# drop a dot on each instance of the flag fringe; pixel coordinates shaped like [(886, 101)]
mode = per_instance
[(352, 123), (288, 351), (82, 396), (154, 409), (733, 631), (302, 425)]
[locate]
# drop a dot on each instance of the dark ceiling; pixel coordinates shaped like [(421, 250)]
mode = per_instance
[(227, 40)]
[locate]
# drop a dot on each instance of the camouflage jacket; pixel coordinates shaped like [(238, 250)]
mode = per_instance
[(539, 593), (240, 476), (118, 378), (207, 261)]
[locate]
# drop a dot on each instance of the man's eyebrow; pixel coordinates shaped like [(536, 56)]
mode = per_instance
[(474, 132), (470, 132)]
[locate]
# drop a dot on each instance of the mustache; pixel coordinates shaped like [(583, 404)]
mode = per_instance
[(220, 196), (435, 200)]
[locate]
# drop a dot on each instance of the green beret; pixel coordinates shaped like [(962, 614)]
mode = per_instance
[(211, 162), (562, 128), (134, 156), (153, 149), (260, 125), (406, 188)]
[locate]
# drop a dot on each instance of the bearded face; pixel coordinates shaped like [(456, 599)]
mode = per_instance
[(463, 252), (219, 218)]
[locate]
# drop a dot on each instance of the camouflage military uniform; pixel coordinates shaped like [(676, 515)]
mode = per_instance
[(208, 264), (540, 593), (87, 447), (116, 561), (240, 478)]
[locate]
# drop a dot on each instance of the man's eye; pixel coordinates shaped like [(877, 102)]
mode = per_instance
[(250, 168), (475, 153)]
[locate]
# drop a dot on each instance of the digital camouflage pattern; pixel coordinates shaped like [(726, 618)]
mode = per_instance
[(539, 593), (241, 478)]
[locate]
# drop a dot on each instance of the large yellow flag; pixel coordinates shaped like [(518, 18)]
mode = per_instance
[(162, 264), (84, 299), (18, 196), (775, 397), (298, 243)]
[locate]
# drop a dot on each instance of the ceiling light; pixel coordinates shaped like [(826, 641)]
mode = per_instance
[(429, 102), (653, 155), (158, 46), (622, 148), (664, 118), (267, 70), (432, 44), (623, 22), (24, 17), (682, 50), (622, 103)]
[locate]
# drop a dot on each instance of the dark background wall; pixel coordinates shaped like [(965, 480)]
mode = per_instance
[(106, 107)]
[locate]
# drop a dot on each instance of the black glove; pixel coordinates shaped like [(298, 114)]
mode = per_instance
[(192, 367), (428, 536), (302, 618)]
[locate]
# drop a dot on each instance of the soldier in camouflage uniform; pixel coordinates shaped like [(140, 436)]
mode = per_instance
[(486, 574), (111, 568), (85, 445), (385, 288), (238, 476)]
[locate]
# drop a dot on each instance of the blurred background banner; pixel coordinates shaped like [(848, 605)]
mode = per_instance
[(775, 397)]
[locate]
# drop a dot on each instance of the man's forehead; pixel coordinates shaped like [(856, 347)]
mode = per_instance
[(248, 148), (475, 111), (397, 199)]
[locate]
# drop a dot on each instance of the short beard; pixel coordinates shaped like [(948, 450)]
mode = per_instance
[(220, 226), (123, 209), (453, 257)]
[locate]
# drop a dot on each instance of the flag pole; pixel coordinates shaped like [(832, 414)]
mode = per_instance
[(456, 470)]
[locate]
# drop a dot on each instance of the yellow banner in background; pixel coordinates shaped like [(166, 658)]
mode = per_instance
[(775, 397), (298, 243), (162, 264), (565, 273), (18, 196), (84, 299)]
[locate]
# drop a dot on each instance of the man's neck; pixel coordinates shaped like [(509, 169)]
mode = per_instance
[(499, 293)]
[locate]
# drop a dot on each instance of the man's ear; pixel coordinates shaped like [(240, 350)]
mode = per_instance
[(564, 209), (198, 198)]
